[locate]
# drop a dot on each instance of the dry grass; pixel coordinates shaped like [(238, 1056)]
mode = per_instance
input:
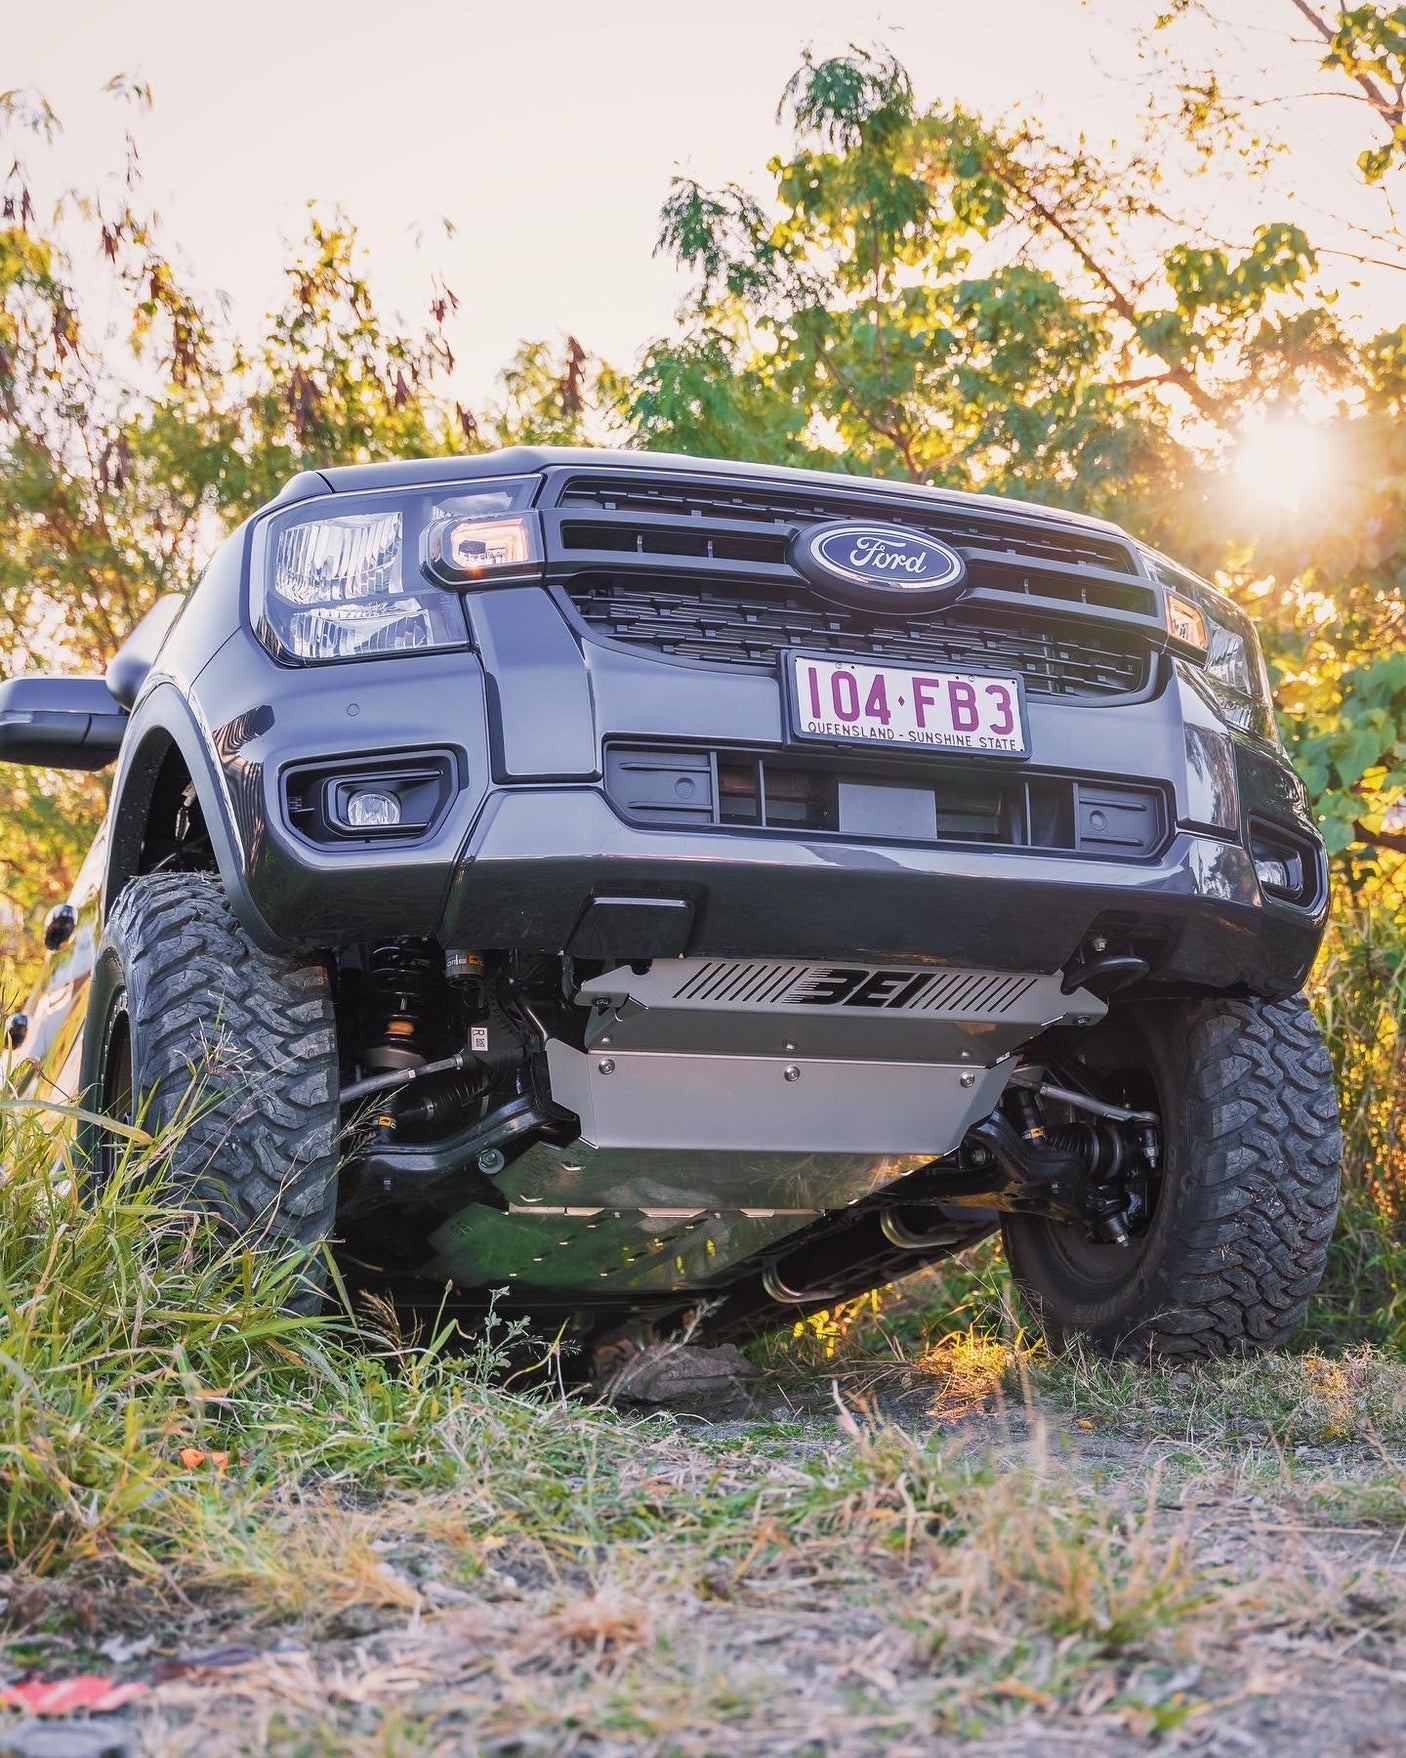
[(852, 1586), (917, 1531)]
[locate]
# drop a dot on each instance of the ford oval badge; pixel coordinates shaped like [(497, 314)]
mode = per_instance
[(865, 564)]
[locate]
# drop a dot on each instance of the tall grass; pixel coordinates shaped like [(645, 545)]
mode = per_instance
[(1359, 994), (143, 1357), (127, 1333)]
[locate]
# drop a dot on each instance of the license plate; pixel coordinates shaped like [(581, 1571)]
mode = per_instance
[(909, 709)]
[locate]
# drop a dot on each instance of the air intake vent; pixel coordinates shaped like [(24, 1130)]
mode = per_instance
[(884, 800)]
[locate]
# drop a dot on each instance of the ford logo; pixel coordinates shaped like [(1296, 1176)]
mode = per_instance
[(862, 562)]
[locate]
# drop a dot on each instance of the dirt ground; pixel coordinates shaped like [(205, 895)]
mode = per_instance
[(1279, 1561)]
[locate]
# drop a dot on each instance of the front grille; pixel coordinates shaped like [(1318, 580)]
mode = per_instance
[(753, 626), (883, 800), (989, 527)]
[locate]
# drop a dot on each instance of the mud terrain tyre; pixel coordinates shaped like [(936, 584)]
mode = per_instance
[(1246, 1198), (189, 1023)]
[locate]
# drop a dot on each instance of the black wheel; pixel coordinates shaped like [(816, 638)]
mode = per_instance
[(190, 1024), (1242, 1207)]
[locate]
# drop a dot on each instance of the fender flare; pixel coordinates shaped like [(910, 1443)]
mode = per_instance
[(163, 721)]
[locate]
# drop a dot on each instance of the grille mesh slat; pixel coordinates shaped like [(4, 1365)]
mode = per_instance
[(1014, 531), (753, 626)]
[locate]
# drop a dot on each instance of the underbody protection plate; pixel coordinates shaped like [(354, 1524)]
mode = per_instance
[(606, 1221), (848, 1009)]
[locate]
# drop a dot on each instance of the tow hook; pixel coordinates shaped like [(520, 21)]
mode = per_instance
[(1102, 973)]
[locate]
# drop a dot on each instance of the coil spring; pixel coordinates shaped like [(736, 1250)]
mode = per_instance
[(1105, 1151), (406, 980)]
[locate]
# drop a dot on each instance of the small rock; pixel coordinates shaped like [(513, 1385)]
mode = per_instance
[(674, 1373), (445, 1593), (120, 1649)]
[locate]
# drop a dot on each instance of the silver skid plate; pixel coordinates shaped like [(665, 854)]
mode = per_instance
[(847, 1010), (660, 1099), (726, 1105)]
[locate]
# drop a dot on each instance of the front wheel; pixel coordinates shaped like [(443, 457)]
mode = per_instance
[(192, 1029), (1245, 1199)]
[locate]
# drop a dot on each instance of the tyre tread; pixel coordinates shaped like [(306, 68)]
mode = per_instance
[(1254, 1204), (243, 1040)]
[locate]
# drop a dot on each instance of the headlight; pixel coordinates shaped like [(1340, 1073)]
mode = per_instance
[(1233, 660), (1234, 673), (359, 576)]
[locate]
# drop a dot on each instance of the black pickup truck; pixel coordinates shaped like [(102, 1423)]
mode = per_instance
[(655, 886)]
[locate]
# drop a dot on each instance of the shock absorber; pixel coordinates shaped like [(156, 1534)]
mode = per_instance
[(1104, 1149), (406, 1004)]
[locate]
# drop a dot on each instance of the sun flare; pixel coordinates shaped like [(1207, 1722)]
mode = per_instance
[(1285, 464)]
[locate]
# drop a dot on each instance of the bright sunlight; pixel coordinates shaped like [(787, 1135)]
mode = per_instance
[(1287, 464)]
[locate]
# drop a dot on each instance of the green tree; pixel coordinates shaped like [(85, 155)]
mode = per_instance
[(1328, 579), (921, 295), (128, 444)]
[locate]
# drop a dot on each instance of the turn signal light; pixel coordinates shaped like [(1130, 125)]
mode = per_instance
[(471, 552), (1185, 621)]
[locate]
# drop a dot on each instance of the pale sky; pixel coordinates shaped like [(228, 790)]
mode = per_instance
[(548, 132)]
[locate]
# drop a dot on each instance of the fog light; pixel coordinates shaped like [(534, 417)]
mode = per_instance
[(1274, 875), (371, 810)]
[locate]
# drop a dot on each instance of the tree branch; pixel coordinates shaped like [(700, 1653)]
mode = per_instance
[(894, 435), (1132, 384), (1176, 372), (1389, 109), (1388, 839)]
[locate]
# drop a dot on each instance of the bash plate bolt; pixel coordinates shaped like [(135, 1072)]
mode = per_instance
[(966, 1080), (791, 1072), (606, 1065), (491, 1161)]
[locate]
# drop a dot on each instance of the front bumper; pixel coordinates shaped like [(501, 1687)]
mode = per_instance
[(538, 858), (530, 837)]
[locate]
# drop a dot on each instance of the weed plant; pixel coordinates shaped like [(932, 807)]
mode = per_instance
[(134, 1340), (1359, 994)]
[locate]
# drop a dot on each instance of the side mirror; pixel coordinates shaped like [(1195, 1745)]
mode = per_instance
[(127, 669), (59, 926), (60, 723)]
